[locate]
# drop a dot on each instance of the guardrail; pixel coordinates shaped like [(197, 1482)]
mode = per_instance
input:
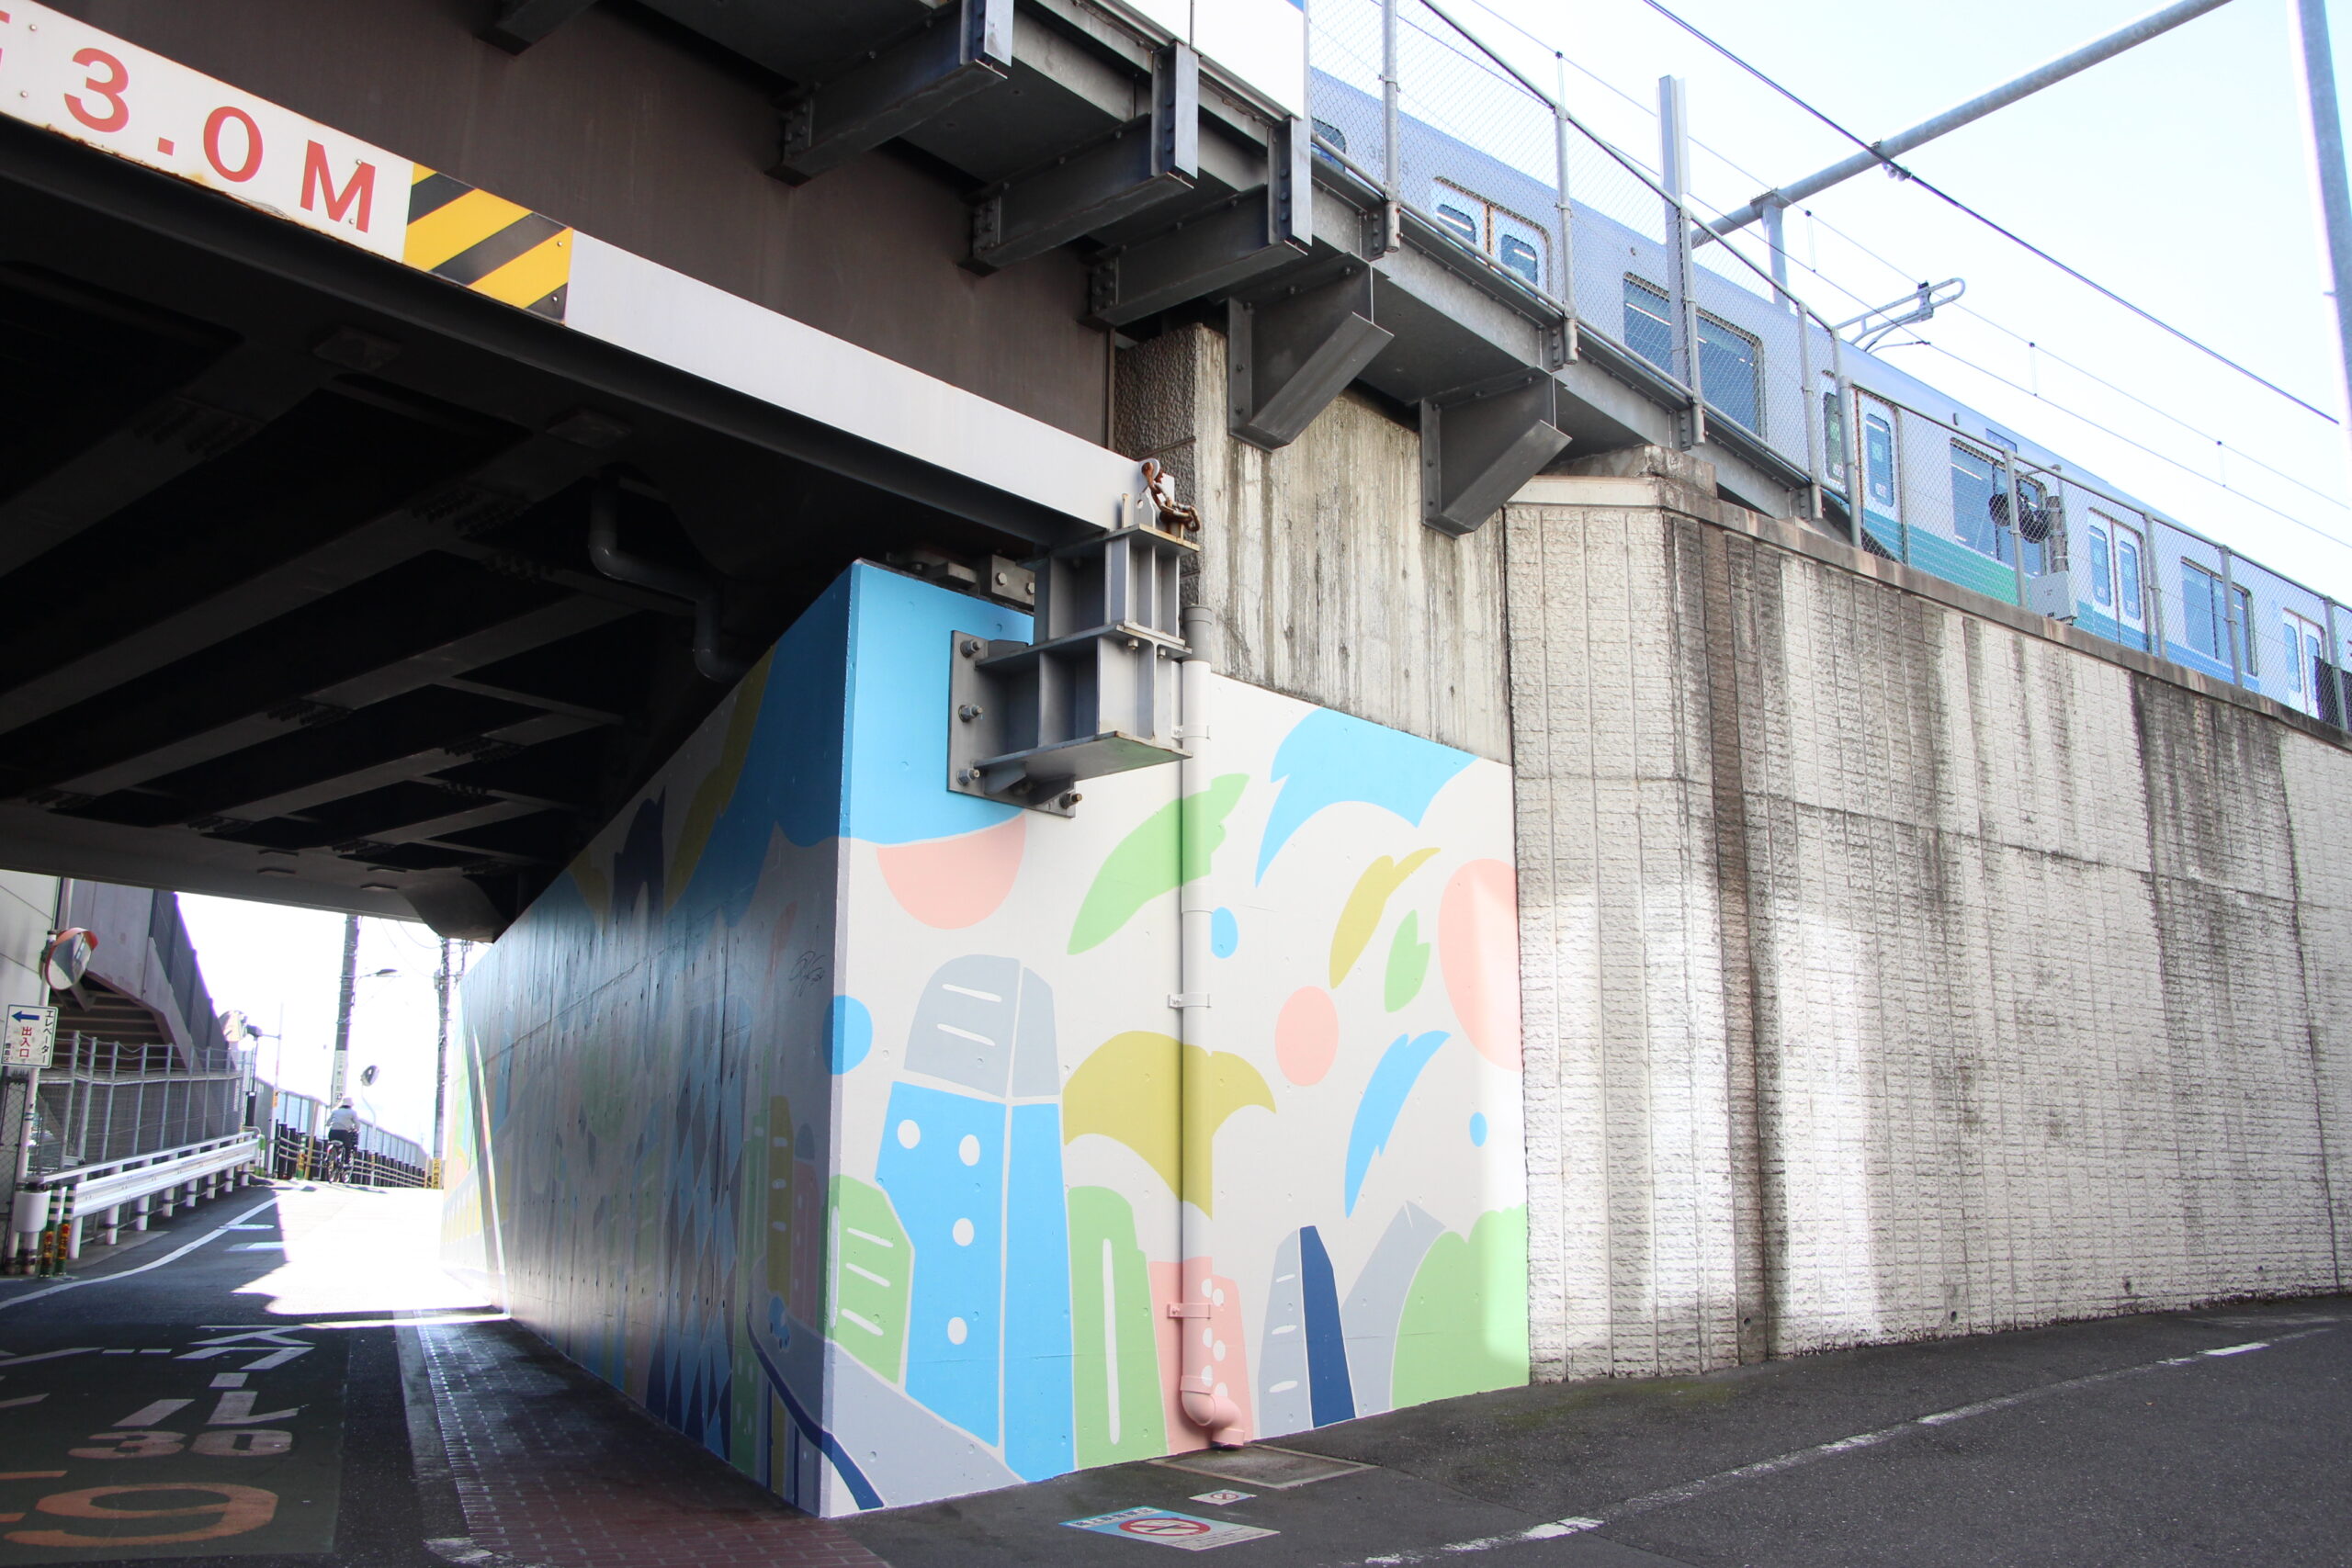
[(51, 1211)]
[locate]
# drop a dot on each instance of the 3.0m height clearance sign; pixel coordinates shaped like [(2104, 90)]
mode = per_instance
[(69, 77)]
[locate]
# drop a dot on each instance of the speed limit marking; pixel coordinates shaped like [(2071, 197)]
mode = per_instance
[(1163, 1526)]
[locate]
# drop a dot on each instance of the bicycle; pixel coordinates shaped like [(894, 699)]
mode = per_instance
[(335, 1161)]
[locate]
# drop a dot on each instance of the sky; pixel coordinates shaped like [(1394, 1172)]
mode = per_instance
[(2179, 175), (282, 968)]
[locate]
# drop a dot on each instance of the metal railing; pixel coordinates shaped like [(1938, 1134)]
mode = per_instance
[(102, 1102), (298, 1148), (1961, 506), (52, 1212), (1472, 157), (1469, 157)]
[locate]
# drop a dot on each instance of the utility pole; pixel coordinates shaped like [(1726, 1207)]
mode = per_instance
[(343, 1010), (2327, 145), (444, 984)]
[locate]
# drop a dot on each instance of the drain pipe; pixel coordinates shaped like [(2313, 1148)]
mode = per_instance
[(701, 590), (1196, 1389)]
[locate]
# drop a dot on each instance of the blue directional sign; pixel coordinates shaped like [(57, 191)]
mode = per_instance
[(31, 1036)]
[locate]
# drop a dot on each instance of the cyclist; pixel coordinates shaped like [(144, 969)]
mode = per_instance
[(342, 1141)]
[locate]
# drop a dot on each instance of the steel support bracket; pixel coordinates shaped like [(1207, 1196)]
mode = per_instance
[(1246, 235), (1289, 353), (1143, 163), (962, 48), (522, 23), (1096, 694), (1480, 443)]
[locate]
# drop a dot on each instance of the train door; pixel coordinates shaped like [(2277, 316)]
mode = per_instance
[(1521, 248), (2306, 650), (2132, 587), (1882, 492)]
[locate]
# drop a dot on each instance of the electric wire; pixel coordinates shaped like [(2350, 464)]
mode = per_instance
[(1901, 172), (1960, 359)]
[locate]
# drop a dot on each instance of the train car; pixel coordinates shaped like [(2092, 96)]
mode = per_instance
[(1943, 488)]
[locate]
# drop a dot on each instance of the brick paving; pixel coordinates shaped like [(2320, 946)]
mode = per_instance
[(555, 1470)]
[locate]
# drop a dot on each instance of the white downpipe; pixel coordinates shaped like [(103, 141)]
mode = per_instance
[(1196, 1387)]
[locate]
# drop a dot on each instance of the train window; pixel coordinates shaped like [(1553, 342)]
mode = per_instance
[(1649, 331), (1833, 432), (1731, 372), (1516, 256), (2127, 573), (1878, 458), (2102, 569), (1332, 134), (2203, 623), (1975, 486), (1462, 223), (2242, 628)]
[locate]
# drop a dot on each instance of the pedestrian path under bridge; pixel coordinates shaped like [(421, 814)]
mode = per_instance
[(287, 1376)]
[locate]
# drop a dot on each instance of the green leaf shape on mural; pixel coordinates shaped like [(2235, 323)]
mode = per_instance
[(872, 1263), (717, 787), (1142, 865), (1113, 1338), (1465, 1325), (1360, 916), (1409, 964), (1126, 1090)]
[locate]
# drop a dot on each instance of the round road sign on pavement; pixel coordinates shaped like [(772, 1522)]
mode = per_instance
[(1164, 1525)]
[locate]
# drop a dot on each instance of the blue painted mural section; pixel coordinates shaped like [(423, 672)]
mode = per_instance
[(1331, 1395), (942, 1165), (899, 636), (1332, 757), (1038, 1437), (1384, 1102)]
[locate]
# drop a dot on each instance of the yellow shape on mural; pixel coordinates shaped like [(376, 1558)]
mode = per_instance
[(1126, 1090), (1360, 917), (717, 787)]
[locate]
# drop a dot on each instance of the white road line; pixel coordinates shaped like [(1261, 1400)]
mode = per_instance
[(126, 1273), (1649, 1502)]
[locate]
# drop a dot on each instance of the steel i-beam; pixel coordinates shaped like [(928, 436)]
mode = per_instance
[(1289, 354), (1146, 161), (1250, 235), (522, 23), (966, 46), (1479, 443)]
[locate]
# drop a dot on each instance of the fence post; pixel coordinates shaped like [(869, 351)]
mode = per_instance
[(2335, 670), (1567, 283), (1674, 134), (2009, 462), (2229, 616), (1808, 405), (1392, 152), (2151, 580)]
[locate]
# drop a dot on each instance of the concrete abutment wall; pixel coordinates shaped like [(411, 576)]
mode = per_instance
[(1896, 964)]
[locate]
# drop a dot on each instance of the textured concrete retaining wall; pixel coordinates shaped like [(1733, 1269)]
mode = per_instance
[(1896, 964), (1328, 587)]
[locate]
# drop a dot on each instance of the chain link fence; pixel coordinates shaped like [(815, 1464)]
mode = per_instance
[(106, 1100), (1417, 110), (298, 1143)]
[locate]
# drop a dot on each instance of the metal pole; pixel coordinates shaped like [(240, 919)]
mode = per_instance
[(2017, 524), (1776, 243), (114, 1074), (2151, 580), (1808, 405), (1565, 289), (1392, 152), (2056, 71), (1674, 134), (2230, 617), (2327, 145), (441, 1052), (342, 1010)]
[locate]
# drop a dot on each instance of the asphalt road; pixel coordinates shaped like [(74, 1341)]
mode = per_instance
[(2219, 1437), (207, 1404)]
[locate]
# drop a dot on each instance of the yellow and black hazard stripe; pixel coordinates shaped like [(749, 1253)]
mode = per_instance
[(488, 243)]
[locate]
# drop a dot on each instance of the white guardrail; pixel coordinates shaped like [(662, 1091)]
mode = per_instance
[(103, 1191)]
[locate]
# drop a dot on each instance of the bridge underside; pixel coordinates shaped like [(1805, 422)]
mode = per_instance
[(296, 547)]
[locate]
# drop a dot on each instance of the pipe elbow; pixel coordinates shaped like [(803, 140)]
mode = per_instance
[(1215, 1414)]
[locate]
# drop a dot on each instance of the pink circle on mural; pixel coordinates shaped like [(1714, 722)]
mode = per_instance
[(958, 882), (1477, 944), (1306, 1035)]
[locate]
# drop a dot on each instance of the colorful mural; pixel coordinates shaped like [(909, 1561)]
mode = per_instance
[(832, 1113)]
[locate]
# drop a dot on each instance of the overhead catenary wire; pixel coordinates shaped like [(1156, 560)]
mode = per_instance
[(1998, 228)]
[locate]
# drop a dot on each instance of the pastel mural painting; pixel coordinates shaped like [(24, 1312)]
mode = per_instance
[(1331, 757), (1477, 941), (959, 881), (1306, 1035)]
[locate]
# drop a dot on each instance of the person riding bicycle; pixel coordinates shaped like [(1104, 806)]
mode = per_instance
[(343, 1127)]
